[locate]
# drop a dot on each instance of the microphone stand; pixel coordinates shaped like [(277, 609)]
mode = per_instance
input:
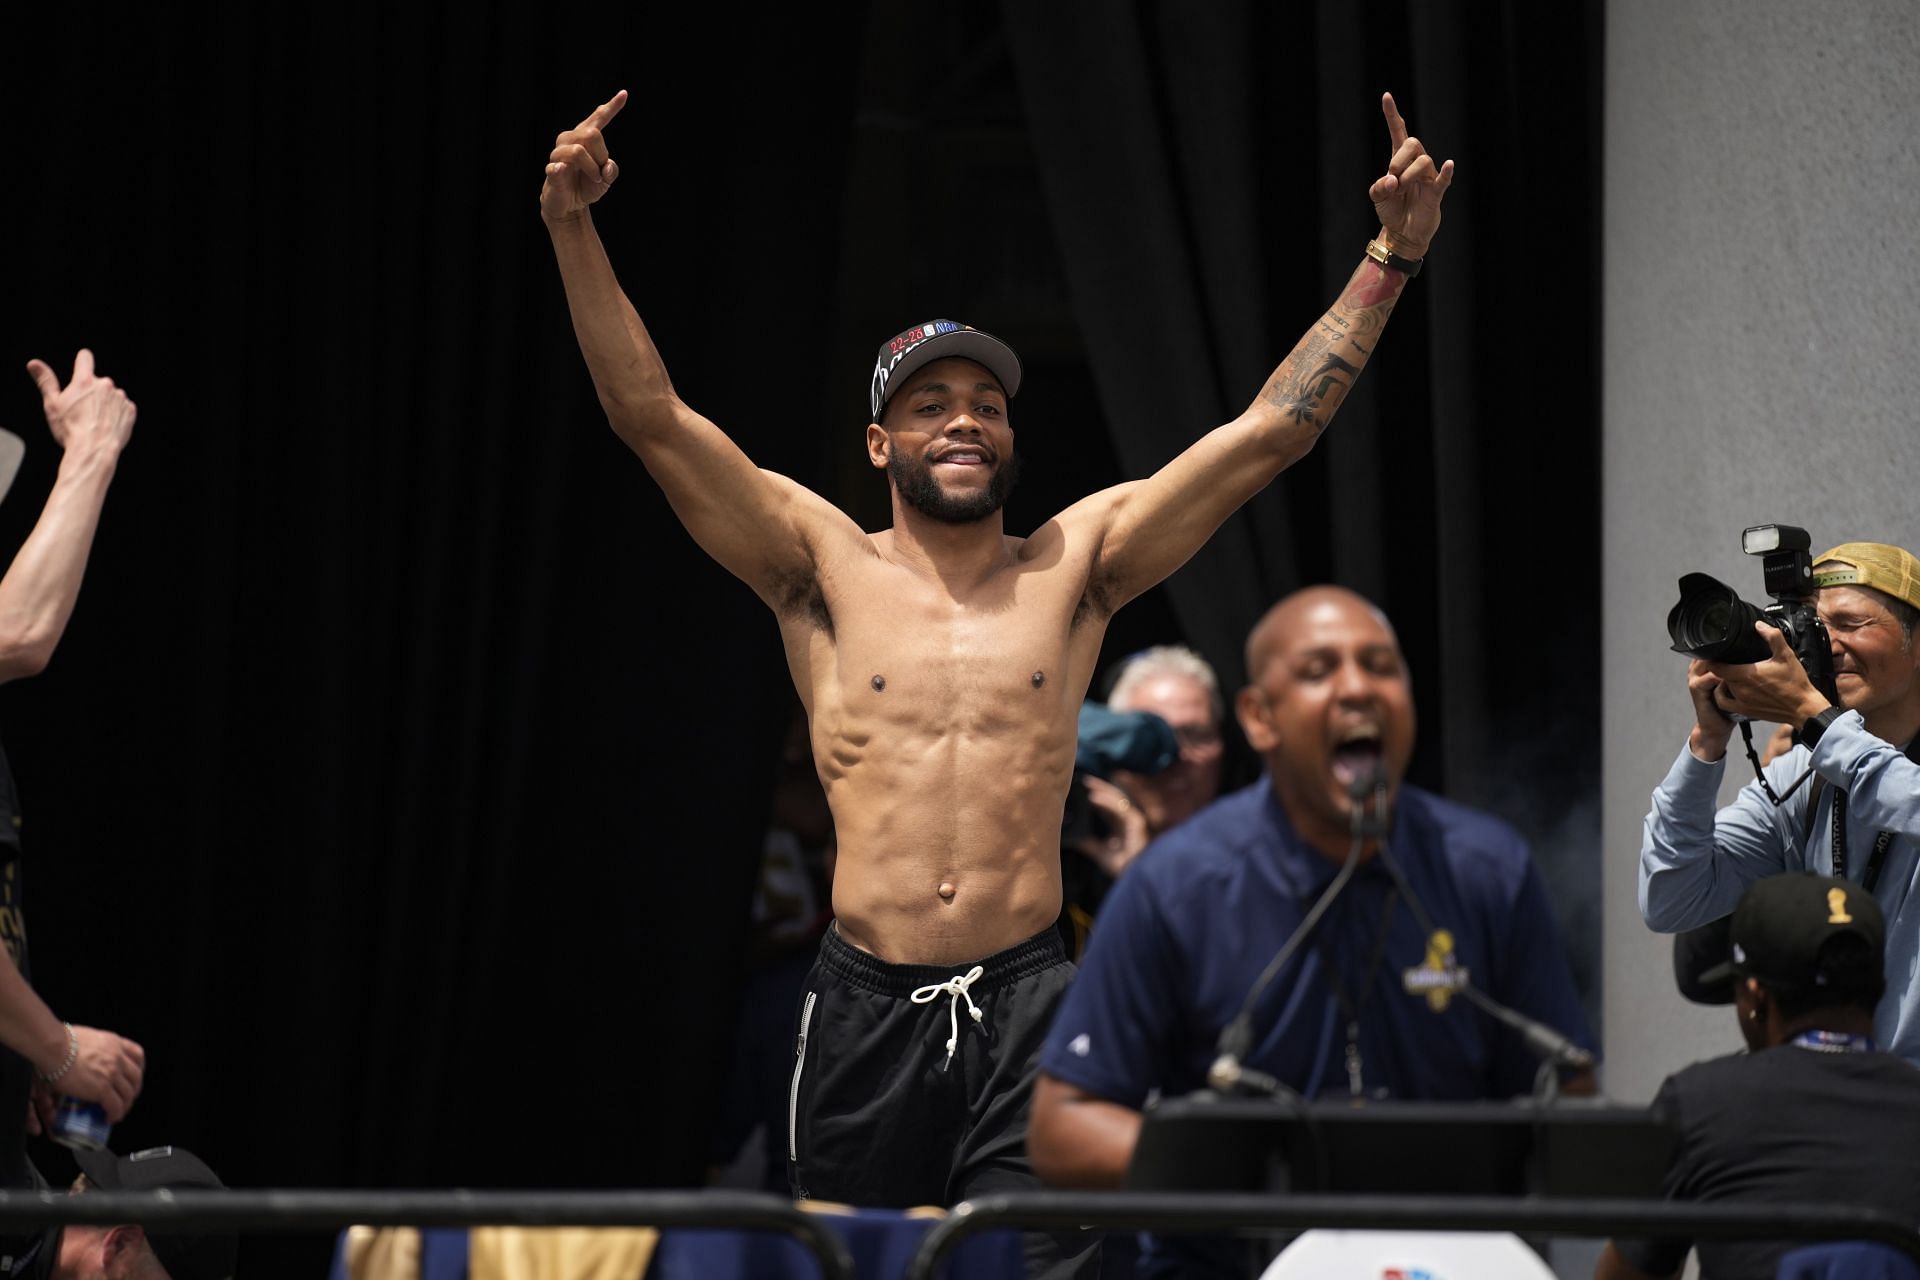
[(1229, 1075)]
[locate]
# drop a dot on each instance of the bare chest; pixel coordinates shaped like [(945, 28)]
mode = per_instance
[(902, 648), (1014, 638)]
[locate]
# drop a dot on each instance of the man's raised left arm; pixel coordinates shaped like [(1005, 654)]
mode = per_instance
[(1155, 525)]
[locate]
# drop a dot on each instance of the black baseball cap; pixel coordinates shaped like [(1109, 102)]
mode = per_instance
[(1784, 920), (186, 1257), (934, 340)]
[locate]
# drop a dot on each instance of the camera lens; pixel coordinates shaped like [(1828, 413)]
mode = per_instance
[(1712, 622)]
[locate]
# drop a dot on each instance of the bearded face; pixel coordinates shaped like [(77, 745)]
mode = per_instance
[(946, 444), (920, 487)]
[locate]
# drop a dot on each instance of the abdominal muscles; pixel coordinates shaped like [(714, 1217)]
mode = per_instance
[(946, 797)]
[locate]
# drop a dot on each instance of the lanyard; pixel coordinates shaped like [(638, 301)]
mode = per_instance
[(1876, 860), (1833, 1042), (1348, 1005)]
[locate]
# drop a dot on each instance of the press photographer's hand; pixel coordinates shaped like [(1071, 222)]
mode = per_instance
[(1711, 728), (1125, 824), (1775, 690)]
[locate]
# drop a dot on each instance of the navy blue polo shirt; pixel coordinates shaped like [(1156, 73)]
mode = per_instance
[(1186, 931)]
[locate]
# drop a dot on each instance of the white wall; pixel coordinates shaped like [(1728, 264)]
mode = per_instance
[(1762, 362)]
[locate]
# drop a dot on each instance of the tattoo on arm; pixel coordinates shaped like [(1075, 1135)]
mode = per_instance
[(1313, 380), (1304, 382), (1371, 285)]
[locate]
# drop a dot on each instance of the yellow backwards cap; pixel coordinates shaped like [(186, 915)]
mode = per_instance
[(1870, 564)]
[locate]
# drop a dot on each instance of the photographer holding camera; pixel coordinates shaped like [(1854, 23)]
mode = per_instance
[(1845, 801)]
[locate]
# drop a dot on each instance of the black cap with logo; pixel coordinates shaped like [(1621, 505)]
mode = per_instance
[(186, 1257), (934, 340), (1781, 925)]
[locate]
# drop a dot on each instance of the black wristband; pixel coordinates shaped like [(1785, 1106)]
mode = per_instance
[(1818, 724)]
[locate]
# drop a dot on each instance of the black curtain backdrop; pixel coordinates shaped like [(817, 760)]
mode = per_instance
[(401, 778)]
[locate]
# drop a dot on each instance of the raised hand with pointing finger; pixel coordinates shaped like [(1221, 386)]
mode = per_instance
[(579, 170), (1407, 196), (90, 412)]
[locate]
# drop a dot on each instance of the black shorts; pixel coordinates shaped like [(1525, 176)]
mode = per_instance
[(882, 1113)]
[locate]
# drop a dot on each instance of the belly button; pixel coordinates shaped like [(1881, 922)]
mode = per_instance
[(946, 891), (879, 684), (1039, 679)]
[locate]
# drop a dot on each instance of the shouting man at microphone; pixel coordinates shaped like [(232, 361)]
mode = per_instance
[(1369, 1005)]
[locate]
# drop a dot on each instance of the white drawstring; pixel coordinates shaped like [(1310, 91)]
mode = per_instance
[(957, 988)]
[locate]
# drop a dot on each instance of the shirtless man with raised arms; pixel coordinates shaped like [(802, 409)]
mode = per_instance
[(942, 663)]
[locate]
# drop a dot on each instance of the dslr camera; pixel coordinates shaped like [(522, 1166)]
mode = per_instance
[(1711, 621)]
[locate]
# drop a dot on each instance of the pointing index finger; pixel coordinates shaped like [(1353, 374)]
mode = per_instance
[(603, 114), (1396, 125)]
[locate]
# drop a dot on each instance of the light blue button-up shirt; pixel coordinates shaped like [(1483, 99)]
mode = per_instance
[(1695, 863)]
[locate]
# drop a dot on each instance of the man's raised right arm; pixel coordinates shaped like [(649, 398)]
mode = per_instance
[(760, 526)]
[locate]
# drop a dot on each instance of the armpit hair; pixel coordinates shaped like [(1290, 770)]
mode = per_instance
[(796, 593), (1097, 601)]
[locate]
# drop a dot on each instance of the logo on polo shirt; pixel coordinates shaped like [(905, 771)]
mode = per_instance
[(1439, 976), (1081, 1045)]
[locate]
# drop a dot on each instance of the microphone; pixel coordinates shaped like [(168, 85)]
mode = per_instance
[(1545, 1043), (1227, 1074)]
